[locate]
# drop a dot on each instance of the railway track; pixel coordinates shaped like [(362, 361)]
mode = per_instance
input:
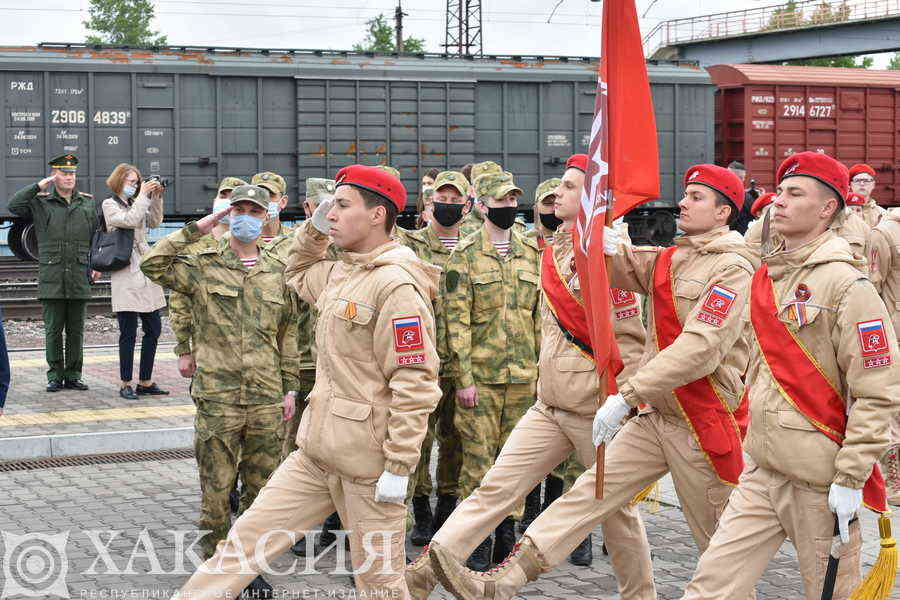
[(18, 299), (13, 269)]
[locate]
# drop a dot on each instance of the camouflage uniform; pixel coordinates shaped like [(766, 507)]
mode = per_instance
[(427, 246), (245, 345), (493, 332), (180, 318), (317, 189), (389, 169)]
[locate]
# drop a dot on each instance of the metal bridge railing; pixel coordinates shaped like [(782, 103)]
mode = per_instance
[(779, 17)]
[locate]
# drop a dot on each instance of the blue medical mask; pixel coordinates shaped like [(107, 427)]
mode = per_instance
[(219, 205), (246, 228), (129, 191)]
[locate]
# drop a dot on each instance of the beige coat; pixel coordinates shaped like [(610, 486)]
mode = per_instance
[(368, 411), (780, 438), (131, 290), (847, 225), (717, 257), (568, 379)]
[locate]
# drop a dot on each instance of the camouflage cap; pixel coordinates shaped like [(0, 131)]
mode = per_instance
[(389, 169), (452, 178), (488, 166), (318, 189), (250, 193), (229, 183), (271, 181), (546, 188), (495, 185)]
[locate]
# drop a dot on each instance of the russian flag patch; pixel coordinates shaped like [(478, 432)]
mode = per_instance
[(719, 301), (872, 338), (408, 334)]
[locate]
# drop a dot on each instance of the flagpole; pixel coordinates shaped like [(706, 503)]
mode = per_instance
[(601, 449)]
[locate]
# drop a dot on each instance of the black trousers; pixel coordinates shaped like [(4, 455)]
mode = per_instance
[(151, 324)]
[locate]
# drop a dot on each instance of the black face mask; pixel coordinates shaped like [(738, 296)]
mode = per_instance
[(447, 214), (550, 221), (503, 216)]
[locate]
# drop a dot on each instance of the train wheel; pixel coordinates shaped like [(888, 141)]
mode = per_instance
[(22, 240)]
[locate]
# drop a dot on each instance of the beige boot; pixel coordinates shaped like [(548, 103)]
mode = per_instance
[(420, 578), (524, 564)]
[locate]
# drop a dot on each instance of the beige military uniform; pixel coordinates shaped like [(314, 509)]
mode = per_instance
[(783, 491), (847, 225), (376, 383), (659, 439), (872, 213), (557, 425), (884, 271)]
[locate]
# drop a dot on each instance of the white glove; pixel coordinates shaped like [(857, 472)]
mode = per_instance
[(608, 418), (611, 240), (391, 488), (844, 502), (319, 217)]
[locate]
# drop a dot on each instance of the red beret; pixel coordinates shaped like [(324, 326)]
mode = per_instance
[(578, 161), (861, 168), (760, 203), (854, 199), (718, 178), (818, 166), (374, 180)]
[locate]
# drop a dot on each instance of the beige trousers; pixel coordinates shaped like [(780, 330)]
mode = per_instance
[(647, 447), (541, 439), (765, 508), (298, 497)]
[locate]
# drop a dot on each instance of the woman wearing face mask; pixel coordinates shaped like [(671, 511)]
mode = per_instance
[(138, 206)]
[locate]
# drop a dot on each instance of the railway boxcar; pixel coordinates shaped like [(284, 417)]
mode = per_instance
[(767, 112), (195, 115)]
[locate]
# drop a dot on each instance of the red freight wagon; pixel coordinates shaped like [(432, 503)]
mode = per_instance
[(767, 112)]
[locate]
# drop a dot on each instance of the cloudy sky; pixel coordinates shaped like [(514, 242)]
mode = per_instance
[(510, 26)]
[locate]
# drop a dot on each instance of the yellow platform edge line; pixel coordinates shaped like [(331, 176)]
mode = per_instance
[(103, 414)]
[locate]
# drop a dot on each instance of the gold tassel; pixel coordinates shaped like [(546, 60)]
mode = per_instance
[(652, 494), (879, 583)]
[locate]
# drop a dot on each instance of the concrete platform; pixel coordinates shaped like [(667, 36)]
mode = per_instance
[(38, 424)]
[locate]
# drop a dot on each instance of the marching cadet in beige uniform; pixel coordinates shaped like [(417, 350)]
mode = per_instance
[(862, 181), (820, 337), (557, 425), (376, 383), (433, 244), (686, 425), (884, 272)]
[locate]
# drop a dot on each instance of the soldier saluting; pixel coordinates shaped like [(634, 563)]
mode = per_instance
[(64, 219)]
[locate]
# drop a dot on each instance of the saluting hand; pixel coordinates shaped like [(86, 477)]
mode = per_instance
[(206, 224), (44, 183)]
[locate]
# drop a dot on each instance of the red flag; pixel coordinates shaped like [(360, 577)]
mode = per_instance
[(623, 166)]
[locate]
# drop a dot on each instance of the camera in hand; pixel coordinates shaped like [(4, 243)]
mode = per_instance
[(163, 181)]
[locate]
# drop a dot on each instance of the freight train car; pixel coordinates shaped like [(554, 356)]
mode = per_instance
[(767, 112), (195, 115)]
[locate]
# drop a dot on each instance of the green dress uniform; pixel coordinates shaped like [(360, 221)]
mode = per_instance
[(64, 229)]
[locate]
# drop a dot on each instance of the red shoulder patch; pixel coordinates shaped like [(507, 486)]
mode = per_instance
[(719, 301), (621, 297), (872, 338), (408, 334)]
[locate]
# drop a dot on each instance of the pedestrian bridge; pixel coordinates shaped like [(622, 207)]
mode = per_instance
[(790, 31)]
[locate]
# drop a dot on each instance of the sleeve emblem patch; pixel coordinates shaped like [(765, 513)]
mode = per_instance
[(405, 360), (408, 334), (872, 338), (621, 297), (719, 301)]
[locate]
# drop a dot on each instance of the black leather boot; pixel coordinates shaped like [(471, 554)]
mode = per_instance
[(423, 521), (327, 538), (504, 539), (480, 560), (583, 555), (445, 505), (552, 490), (532, 508)]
